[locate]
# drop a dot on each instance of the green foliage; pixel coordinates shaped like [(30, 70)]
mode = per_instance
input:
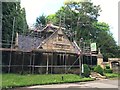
[(108, 71), (118, 52), (41, 21), (52, 18), (77, 15), (80, 21), (105, 40), (112, 75), (16, 80), (92, 68), (98, 69), (107, 66), (86, 70), (11, 10)]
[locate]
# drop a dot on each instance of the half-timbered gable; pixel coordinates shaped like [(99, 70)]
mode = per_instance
[(58, 42)]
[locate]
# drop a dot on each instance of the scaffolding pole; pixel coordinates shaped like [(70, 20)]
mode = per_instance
[(47, 63), (52, 62), (66, 58), (33, 63), (30, 61), (80, 64), (73, 63), (63, 62), (11, 46), (22, 63)]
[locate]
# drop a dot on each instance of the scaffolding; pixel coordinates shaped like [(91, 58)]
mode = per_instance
[(39, 60), (26, 62)]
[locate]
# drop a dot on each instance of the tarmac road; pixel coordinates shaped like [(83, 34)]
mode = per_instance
[(97, 85)]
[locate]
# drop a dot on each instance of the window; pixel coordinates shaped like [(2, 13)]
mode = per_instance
[(60, 37)]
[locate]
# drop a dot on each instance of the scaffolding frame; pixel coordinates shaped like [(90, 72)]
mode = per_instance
[(32, 56), (32, 66), (64, 56)]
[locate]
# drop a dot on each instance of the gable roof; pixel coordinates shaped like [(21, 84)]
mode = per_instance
[(45, 40), (74, 45), (28, 43)]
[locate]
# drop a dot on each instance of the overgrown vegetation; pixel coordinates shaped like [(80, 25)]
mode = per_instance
[(112, 75), (99, 69), (92, 68), (106, 72), (109, 73), (13, 19), (107, 69), (16, 80), (86, 70)]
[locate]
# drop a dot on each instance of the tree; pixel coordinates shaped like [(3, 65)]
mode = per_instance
[(12, 12), (52, 18), (77, 18), (80, 21), (104, 39), (40, 21)]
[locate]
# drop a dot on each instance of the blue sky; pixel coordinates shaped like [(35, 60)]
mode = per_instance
[(109, 14)]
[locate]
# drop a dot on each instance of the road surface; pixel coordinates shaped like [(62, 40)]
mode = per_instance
[(97, 84)]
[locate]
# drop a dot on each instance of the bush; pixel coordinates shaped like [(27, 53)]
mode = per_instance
[(108, 71), (112, 75), (107, 67), (98, 69), (92, 68), (86, 70)]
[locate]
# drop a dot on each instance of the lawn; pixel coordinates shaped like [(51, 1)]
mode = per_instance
[(16, 80), (112, 75)]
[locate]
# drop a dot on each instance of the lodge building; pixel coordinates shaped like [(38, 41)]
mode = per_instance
[(45, 51)]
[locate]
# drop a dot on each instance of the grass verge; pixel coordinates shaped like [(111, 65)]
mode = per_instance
[(112, 75), (16, 80)]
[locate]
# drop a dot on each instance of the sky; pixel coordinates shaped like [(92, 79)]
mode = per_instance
[(109, 14)]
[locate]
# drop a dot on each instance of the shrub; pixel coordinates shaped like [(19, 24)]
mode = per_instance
[(92, 68), (98, 69), (107, 66), (86, 70), (112, 75), (108, 71)]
